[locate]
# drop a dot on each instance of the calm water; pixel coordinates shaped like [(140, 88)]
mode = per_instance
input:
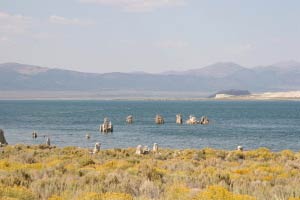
[(272, 124)]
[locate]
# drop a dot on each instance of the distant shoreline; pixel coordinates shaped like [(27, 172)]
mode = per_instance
[(142, 96), (151, 99)]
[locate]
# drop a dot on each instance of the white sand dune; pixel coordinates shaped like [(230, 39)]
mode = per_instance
[(290, 94), (266, 95)]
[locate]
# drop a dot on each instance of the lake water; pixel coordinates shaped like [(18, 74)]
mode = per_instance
[(252, 124)]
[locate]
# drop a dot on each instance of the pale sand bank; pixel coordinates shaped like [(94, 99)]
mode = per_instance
[(290, 95)]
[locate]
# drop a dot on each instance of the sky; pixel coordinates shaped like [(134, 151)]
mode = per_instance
[(148, 35)]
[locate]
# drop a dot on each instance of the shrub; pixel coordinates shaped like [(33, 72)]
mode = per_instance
[(178, 192), (55, 197), (71, 173), (85, 162), (20, 193), (149, 189), (106, 196), (220, 193)]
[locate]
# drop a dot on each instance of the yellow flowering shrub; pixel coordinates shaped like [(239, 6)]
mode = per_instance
[(106, 196), (178, 192), (13, 166), (32, 172), (261, 154), (20, 193), (220, 193), (55, 197), (287, 154), (243, 171), (113, 164)]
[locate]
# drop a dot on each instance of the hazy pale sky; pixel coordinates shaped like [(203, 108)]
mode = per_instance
[(148, 35)]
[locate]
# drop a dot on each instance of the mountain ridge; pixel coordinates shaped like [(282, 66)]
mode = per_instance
[(282, 76)]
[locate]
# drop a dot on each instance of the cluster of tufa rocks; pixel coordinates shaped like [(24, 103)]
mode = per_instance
[(159, 119), (193, 120), (140, 150), (129, 119), (107, 126)]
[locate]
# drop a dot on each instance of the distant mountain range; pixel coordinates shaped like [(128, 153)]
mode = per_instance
[(282, 76)]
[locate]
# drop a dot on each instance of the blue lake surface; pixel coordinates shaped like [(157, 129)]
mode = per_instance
[(253, 124)]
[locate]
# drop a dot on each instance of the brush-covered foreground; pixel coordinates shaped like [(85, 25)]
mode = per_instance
[(41, 172)]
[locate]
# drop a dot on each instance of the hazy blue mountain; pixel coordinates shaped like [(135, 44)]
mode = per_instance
[(209, 79), (284, 66), (282, 75), (217, 70)]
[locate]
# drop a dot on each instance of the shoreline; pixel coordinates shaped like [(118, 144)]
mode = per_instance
[(153, 99), (45, 146), (142, 96)]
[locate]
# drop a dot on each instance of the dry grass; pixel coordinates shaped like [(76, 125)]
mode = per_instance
[(39, 172)]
